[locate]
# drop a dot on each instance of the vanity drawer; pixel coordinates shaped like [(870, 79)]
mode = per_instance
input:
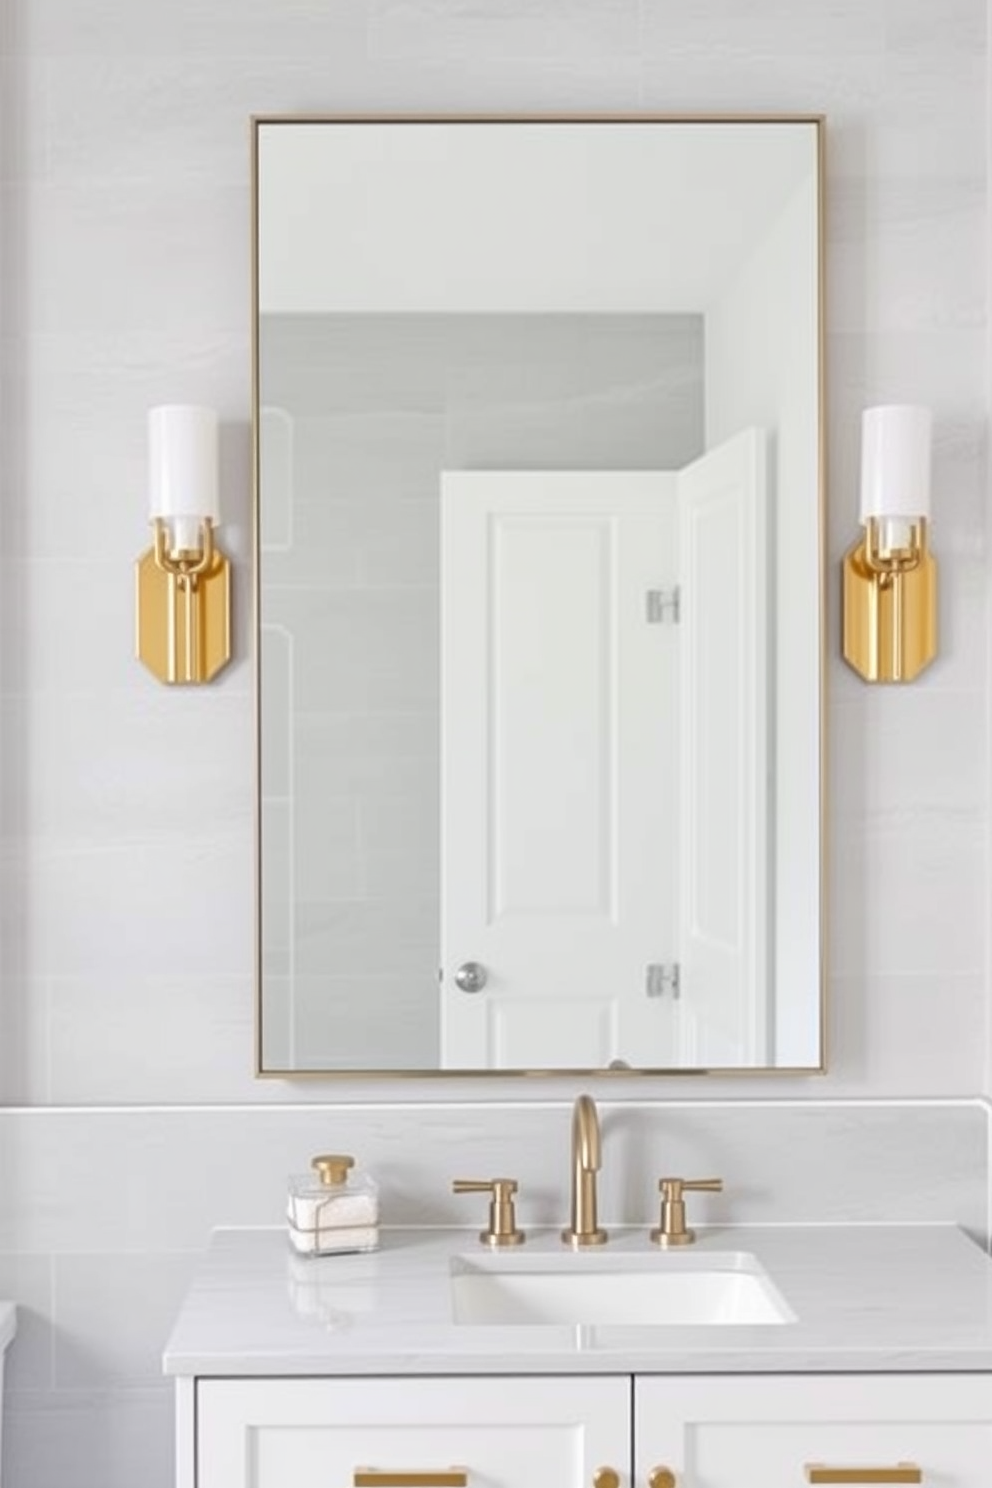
[(764, 1431), (503, 1432)]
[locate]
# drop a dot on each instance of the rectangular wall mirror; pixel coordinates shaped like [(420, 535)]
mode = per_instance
[(538, 418)]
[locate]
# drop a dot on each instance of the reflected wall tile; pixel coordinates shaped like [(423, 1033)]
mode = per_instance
[(368, 650), (276, 885), (368, 937), (275, 719), (384, 753), (328, 860), (275, 1041), (329, 366), (381, 456), (367, 1022), (643, 428)]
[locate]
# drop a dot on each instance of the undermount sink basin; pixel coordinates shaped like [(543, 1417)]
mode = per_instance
[(652, 1291)]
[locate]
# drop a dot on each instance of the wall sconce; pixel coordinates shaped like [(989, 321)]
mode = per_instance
[(183, 582), (890, 577)]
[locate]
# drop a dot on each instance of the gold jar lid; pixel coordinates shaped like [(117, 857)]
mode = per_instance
[(332, 1167)]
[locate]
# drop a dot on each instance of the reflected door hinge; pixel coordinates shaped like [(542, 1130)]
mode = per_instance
[(663, 606), (662, 979)]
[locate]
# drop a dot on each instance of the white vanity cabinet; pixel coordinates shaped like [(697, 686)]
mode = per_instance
[(346, 1433), (761, 1431), (766, 1431)]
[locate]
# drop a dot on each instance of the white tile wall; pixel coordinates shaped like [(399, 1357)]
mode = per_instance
[(125, 813)]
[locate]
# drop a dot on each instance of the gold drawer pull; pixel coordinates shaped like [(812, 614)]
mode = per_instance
[(606, 1477), (903, 1472), (374, 1477), (661, 1477)]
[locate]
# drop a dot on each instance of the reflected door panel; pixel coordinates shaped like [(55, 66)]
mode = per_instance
[(723, 869), (559, 761)]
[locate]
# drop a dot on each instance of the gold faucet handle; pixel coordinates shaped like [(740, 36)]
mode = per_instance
[(502, 1214), (671, 1225)]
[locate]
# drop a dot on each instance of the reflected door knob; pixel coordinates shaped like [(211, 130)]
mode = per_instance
[(471, 976)]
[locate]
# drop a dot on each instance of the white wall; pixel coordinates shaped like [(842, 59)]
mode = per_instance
[(126, 892)]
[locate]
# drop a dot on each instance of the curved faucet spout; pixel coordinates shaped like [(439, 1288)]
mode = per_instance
[(586, 1144), (583, 1226)]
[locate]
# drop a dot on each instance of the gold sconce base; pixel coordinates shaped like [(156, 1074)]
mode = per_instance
[(183, 612), (890, 613)]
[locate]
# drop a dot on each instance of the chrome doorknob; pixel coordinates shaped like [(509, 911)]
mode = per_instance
[(471, 976)]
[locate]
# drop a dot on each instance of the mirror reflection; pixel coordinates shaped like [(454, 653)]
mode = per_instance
[(538, 432)]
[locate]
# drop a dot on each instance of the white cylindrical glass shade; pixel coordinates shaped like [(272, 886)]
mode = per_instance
[(182, 462), (895, 461)]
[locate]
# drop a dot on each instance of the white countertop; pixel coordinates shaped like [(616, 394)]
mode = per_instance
[(865, 1298)]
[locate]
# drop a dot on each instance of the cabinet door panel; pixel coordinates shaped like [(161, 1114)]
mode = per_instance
[(763, 1431), (505, 1433)]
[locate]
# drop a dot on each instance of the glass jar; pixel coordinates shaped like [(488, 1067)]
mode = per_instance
[(334, 1209)]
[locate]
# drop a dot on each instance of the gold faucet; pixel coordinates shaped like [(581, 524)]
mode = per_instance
[(584, 1228)]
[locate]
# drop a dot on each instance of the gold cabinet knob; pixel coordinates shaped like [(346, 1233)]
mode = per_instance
[(606, 1477), (661, 1477)]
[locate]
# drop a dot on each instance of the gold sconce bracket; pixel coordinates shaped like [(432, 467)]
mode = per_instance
[(890, 606), (183, 609)]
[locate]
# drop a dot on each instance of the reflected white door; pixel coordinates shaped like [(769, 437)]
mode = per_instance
[(724, 831), (605, 769), (559, 766)]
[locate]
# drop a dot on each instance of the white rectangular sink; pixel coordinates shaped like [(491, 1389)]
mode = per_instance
[(656, 1290)]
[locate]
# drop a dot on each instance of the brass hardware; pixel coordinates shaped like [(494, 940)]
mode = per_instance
[(890, 605), (661, 1477), (374, 1477), (671, 1225), (903, 1472), (183, 608), (502, 1215), (583, 1228), (332, 1167), (606, 1477)]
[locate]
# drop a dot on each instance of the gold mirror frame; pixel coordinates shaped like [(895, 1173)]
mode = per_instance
[(818, 121)]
